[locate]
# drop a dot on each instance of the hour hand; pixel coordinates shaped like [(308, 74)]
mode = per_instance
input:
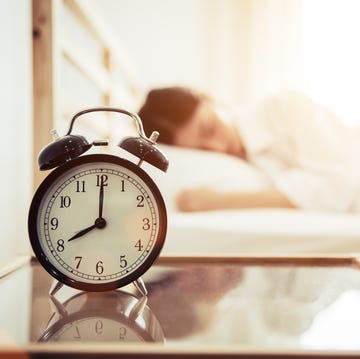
[(82, 232), (100, 223)]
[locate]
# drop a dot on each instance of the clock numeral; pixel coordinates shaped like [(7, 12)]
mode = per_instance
[(101, 180), (78, 261), (122, 186), (99, 327), (139, 246), (54, 222), (65, 201), (140, 200), (99, 267), (80, 186), (122, 333), (146, 224), (60, 245), (123, 262)]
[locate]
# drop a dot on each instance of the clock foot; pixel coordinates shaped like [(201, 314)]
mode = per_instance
[(138, 309), (55, 287), (140, 286), (59, 307)]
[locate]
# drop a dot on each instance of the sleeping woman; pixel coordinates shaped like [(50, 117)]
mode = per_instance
[(309, 156)]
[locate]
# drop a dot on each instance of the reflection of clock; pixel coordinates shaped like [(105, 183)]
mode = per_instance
[(103, 317), (93, 329), (98, 221)]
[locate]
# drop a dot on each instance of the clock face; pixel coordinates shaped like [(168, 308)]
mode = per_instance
[(97, 222)]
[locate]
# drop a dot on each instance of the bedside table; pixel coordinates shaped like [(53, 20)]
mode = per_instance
[(197, 307)]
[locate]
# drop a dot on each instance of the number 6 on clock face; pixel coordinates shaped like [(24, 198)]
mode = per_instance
[(97, 222)]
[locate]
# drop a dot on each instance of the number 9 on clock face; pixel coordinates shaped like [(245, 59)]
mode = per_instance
[(97, 223)]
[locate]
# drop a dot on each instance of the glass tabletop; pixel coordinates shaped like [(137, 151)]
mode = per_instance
[(195, 306)]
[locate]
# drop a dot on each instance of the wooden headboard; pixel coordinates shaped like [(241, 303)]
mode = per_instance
[(77, 63)]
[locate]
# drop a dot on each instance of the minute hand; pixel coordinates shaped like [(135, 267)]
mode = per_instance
[(82, 232), (101, 200)]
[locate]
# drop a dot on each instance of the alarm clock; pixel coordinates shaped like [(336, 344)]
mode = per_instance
[(116, 316), (98, 221)]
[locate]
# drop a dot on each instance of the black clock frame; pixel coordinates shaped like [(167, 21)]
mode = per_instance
[(33, 225)]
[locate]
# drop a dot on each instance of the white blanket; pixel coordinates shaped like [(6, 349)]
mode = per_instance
[(305, 150), (270, 231), (253, 232)]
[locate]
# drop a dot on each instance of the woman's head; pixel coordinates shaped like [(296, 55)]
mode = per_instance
[(189, 119), (168, 109)]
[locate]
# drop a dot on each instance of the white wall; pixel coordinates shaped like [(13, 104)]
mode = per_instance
[(332, 55), (16, 118), (242, 50), (199, 43), (163, 39), (237, 50)]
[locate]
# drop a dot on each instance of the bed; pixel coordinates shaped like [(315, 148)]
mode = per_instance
[(107, 79), (252, 231)]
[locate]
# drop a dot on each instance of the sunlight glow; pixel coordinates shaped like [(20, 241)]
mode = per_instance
[(332, 55), (330, 325)]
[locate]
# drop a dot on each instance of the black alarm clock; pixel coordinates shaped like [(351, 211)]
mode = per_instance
[(98, 221)]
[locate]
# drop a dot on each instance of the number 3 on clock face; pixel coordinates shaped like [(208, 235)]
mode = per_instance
[(97, 222)]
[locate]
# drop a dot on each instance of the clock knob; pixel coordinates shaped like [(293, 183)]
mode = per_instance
[(62, 150), (146, 150)]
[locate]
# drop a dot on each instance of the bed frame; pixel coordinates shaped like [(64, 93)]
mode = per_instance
[(54, 48)]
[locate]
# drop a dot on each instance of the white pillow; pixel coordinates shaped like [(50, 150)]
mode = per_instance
[(190, 168)]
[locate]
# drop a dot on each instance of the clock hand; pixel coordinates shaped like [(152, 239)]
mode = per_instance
[(100, 223), (101, 199), (82, 232)]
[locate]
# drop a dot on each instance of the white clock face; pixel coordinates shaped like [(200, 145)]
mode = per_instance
[(98, 222)]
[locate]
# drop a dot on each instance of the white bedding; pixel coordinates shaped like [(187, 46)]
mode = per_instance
[(262, 232), (258, 231)]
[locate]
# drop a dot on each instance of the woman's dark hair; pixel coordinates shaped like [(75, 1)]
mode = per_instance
[(167, 109)]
